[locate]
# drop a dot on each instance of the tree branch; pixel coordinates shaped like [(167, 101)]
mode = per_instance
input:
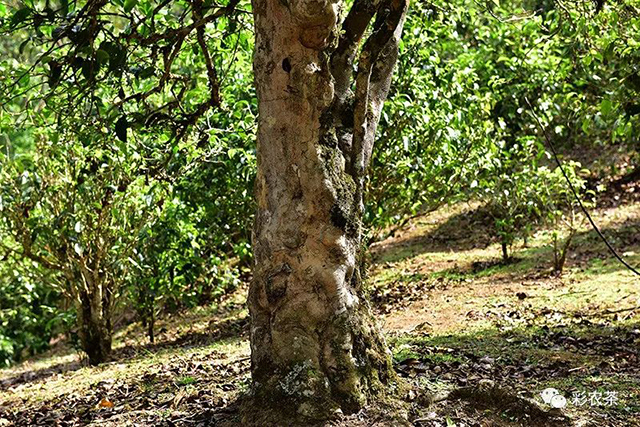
[(214, 85), (375, 67), (353, 28), (26, 253)]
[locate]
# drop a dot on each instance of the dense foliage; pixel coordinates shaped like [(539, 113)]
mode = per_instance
[(127, 133), (470, 79), (133, 167), (30, 315)]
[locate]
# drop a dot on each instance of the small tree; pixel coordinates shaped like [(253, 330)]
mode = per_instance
[(177, 266), (31, 312), (511, 186), (562, 209), (75, 210), (107, 96), (522, 194)]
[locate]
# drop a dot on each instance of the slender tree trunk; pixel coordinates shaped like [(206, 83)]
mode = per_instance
[(505, 251), (152, 322), (315, 348), (94, 322), (560, 251)]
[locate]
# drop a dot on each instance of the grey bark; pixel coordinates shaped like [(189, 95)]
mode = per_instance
[(315, 348)]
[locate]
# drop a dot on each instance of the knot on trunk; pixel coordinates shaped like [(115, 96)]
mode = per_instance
[(316, 20), (315, 38), (276, 284)]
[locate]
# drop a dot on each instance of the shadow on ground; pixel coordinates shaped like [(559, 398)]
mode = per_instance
[(472, 230), (200, 390), (228, 328), (464, 231), (575, 356)]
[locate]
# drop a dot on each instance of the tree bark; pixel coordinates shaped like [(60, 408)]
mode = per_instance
[(94, 322), (314, 346), (505, 251)]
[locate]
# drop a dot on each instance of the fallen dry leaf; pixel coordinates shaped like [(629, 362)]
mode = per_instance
[(106, 403)]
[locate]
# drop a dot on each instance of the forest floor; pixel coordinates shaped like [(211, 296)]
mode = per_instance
[(455, 315)]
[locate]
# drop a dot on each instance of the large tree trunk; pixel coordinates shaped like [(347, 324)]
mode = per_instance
[(94, 323), (315, 348)]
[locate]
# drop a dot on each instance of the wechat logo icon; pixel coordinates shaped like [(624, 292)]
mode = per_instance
[(553, 398)]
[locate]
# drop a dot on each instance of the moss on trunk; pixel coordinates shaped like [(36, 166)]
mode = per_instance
[(315, 348)]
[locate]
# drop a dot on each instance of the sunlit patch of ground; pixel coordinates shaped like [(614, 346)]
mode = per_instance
[(456, 315), (447, 271)]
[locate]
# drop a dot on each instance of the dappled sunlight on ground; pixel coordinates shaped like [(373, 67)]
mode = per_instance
[(198, 364), (443, 288), (455, 315)]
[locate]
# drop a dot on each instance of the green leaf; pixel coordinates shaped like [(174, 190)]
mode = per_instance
[(23, 45), (90, 69), (605, 107), (102, 56), (129, 5), (55, 73), (121, 128), (64, 7), (117, 55), (146, 72), (20, 16)]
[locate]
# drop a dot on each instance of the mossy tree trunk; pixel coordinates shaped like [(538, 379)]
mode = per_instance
[(314, 346)]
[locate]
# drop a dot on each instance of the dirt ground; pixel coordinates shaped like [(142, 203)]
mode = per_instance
[(476, 339)]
